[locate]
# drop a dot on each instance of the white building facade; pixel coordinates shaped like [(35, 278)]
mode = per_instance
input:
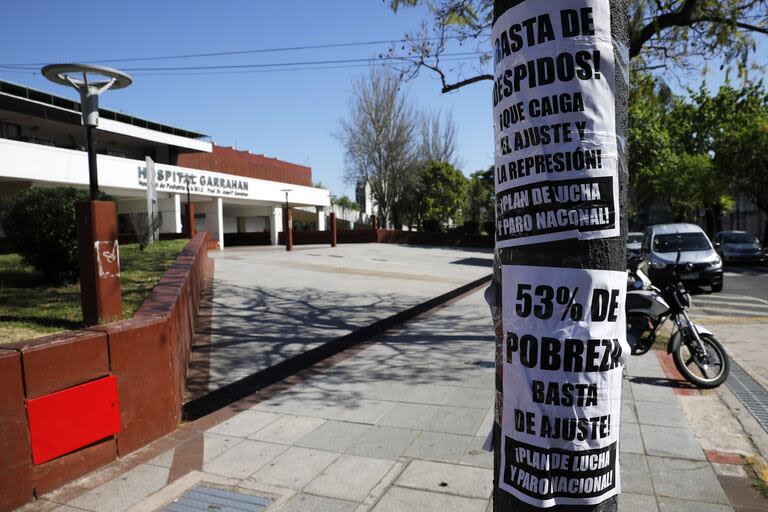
[(43, 144)]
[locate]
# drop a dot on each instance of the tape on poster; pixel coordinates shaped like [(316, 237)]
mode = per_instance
[(554, 123), (564, 350)]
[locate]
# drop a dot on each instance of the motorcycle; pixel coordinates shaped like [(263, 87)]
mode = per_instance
[(697, 354)]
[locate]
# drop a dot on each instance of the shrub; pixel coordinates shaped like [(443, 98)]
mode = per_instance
[(471, 227), (40, 226), (432, 226)]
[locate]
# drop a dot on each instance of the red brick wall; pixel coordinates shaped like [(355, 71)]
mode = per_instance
[(148, 355), (244, 163)]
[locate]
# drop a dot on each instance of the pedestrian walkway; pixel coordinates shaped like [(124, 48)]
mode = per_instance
[(397, 425), (269, 305)]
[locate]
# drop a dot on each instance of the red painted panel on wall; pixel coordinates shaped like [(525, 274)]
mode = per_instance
[(64, 421)]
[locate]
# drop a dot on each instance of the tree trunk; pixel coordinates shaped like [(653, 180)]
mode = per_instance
[(600, 254)]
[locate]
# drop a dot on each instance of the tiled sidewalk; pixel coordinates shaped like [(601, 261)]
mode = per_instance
[(397, 427)]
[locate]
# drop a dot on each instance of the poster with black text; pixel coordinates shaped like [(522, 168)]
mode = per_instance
[(564, 349), (556, 157)]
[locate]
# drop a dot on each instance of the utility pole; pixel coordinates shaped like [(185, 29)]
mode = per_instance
[(557, 299)]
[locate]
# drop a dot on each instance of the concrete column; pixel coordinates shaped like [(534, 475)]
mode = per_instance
[(170, 211), (275, 224), (320, 218), (218, 222), (214, 219)]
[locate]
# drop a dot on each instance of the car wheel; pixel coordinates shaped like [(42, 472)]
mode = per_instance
[(717, 288)]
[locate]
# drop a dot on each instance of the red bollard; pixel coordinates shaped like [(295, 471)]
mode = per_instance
[(289, 229), (190, 230), (100, 291), (333, 229)]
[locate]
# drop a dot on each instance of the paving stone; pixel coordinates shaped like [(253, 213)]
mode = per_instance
[(335, 436), (349, 477), (400, 499), (629, 502), (295, 467), (310, 503), (439, 446), (487, 424), (164, 460), (652, 393), (470, 397), (686, 480), (664, 415), (626, 390), (124, 491), (245, 423), (357, 411), (456, 420), (288, 429), (474, 455), (673, 505), (628, 414), (729, 470), (215, 444), (447, 478), (383, 442), (414, 416), (635, 477), (630, 439), (671, 442), (244, 459)]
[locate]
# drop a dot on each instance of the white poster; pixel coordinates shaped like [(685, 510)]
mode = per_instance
[(556, 158), (564, 350)]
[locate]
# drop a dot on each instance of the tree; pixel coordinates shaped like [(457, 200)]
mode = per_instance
[(741, 147), (445, 189), (662, 33), (346, 202), (379, 139), (481, 198), (438, 138)]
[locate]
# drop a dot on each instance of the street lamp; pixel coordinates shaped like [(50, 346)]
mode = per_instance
[(89, 89), (96, 221)]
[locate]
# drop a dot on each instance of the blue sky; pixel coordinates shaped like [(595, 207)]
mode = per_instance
[(291, 115)]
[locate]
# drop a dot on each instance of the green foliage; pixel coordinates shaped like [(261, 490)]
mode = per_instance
[(346, 202), (697, 153), (40, 224), (481, 202), (444, 191)]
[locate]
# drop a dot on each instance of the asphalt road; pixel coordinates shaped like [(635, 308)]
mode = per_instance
[(745, 294), (747, 280)]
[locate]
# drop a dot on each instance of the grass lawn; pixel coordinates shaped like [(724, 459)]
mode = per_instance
[(30, 308)]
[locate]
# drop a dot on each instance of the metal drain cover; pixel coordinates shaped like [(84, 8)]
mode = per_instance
[(203, 498), (750, 392)]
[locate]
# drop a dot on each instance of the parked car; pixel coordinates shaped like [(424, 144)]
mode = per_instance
[(685, 245), (634, 243), (739, 247)]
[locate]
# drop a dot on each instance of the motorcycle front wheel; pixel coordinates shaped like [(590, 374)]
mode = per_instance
[(705, 370)]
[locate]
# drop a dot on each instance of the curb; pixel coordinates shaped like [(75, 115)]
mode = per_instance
[(226, 395)]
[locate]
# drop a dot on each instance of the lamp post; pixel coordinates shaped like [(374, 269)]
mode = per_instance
[(288, 222), (96, 220)]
